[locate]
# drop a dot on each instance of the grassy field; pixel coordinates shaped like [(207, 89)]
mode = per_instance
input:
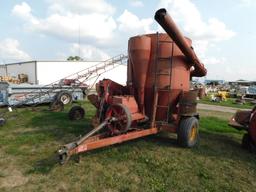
[(230, 102), (30, 138)]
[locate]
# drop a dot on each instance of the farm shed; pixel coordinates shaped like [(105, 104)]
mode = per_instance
[(45, 72)]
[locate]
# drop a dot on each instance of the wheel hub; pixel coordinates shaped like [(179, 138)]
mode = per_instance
[(65, 99), (193, 133), (121, 118)]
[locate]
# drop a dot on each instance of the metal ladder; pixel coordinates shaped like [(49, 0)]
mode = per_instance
[(80, 76), (158, 74)]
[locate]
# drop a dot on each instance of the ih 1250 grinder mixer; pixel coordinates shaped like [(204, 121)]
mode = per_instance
[(157, 96)]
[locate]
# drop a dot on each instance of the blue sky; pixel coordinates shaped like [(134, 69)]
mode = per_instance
[(223, 32)]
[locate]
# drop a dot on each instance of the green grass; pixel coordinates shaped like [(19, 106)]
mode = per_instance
[(29, 140), (230, 102)]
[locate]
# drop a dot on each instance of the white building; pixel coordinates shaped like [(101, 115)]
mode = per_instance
[(46, 72)]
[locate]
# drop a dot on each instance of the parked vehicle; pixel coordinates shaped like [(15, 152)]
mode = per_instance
[(27, 94)]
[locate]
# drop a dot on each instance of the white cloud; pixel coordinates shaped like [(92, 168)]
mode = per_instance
[(136, 3), (85, 6), (96, 26), (130, 23), (95, 21), (188, 16), (215, 61), (247, 3), (204, 33), (89, 52), (230, 72), (217, 30), (10, 51), (23, 11)]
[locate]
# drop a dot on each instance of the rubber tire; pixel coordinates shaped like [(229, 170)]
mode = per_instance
[(56, 106), (64, 93), (184, 131), (2, 121), (74, 111), (63, 158), (247, 143)]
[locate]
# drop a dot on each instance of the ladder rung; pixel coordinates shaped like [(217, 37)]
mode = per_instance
[(162, 106), (164, 89), (162, 123), (164, 74), (163, 58), (165, 41), (169, 124)]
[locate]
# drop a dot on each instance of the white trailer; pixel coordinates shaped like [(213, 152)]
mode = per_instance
[(13, 94)]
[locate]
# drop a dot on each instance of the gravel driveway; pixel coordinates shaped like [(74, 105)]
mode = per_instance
[(218, 108)]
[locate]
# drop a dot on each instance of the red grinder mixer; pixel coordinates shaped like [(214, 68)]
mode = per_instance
[(157, 96)]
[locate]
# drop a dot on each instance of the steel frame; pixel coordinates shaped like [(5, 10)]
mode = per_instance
[(99, 141), (90, 142)]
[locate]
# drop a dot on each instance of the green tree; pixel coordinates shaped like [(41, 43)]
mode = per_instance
[(74, 58)]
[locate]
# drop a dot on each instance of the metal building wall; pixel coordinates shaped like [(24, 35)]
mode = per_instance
[(50, 71), (2, 70), (46, 72)]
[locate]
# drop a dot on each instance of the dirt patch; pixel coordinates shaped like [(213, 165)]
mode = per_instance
[(10, 175), (12, 178), (26, 130), (218, 114), (218, 108)]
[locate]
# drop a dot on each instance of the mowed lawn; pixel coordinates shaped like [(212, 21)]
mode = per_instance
[(30, 138)]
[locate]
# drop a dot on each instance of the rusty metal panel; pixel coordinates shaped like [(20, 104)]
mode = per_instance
[(128, 101), (187, 104), (180, 72), (102, 142), (139, 55), (252, 127)]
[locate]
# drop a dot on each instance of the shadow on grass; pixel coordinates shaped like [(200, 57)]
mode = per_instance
[(56, 128), (225, 147), (212, 145), (44, 166), (57, 125)]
